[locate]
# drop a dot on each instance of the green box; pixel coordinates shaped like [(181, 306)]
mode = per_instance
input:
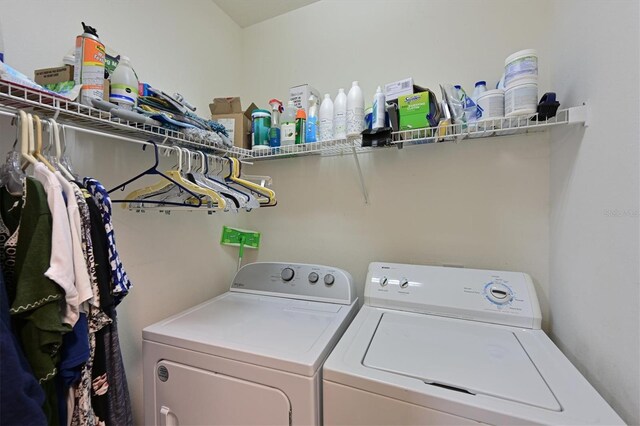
[(414, 110)]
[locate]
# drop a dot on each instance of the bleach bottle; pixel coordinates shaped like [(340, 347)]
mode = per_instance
[(124, 85)]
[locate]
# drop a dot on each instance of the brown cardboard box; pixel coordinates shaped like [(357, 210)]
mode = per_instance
[(106, 90), (53, 75), (228, 112)]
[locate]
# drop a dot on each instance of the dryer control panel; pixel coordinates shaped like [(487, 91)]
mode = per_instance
[(498, 297), (297, 281)]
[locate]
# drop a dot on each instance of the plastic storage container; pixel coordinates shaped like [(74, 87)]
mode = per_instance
[(124, 85), (492, 104), (260, 125), (520, 65), (521, 98)]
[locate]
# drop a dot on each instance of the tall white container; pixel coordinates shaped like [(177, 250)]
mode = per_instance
[(340, 115), (326, 118), (379, 109), (355, 110), (124, 85)]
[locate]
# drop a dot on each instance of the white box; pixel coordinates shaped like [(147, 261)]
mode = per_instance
[(398, 88), (300, 96)]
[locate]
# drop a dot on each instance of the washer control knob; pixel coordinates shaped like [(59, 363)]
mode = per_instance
[(313, 277), (404, 283), (383, 281), (499, 293), (329, 279), (287, 274)]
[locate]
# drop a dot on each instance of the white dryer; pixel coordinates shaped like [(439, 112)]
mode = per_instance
[(253, 355), (436, 345)]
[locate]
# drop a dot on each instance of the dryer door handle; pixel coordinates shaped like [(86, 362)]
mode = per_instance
[(167, 418)]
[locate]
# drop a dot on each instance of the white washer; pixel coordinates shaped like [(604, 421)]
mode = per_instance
[(436, 345), (251, 356)]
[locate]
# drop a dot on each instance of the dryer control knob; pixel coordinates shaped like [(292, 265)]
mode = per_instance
[(313, 277), (404, 283), (499, 294), (287, 274), (329, 279), (383, 281)]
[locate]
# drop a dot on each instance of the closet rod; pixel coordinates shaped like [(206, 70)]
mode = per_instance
[(105, 134)]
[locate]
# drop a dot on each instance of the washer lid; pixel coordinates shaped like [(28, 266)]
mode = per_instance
[(460, 355), (286, 334)]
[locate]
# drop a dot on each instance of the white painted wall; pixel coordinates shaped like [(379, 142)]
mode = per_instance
[(173, 261), (594, 228), (480, 204)]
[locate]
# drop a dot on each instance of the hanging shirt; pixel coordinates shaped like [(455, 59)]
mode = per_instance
[(61, 268), (82, 281), (34, 297), (80, 410), (121, 283), (21, 397)]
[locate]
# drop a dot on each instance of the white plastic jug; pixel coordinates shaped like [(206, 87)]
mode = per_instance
[(124, 85)]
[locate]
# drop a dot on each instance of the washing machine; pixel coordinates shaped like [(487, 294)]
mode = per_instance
[(251, 356), (435, 345)]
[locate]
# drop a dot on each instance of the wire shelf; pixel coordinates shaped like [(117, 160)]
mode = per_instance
[(16, 96), (13, 95)]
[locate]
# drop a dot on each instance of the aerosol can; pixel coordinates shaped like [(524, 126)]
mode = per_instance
[(89, 66)]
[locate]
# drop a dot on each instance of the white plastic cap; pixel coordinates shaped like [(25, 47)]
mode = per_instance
[(327, 96), (341, 90), (355, 83), (124, 59), (378, 90)]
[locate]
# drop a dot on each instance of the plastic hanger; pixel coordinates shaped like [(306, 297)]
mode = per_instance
[(38, 145), (234, 176), (55, 132), (168, 180), (26, 140), (199, 177), (207, 192)]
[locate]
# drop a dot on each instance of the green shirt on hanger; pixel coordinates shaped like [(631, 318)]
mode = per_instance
[(35, 299)]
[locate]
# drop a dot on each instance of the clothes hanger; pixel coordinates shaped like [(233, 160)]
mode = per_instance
[(11, 174), (234, 176), (206, 192), (199, 177), (26, 140), (37, 153), (168, 180), (55, 131), (251, 201)]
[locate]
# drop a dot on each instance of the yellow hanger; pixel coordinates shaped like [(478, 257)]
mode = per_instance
[(235, 177), (26, 139), (38, 145), (176, 175)]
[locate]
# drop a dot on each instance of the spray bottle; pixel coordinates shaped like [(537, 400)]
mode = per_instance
[(274, 131), (288, 127), (311, 134), (89, 67), (301, 119)]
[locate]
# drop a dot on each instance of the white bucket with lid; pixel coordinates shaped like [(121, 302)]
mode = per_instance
[(521, 98), (520, 65)]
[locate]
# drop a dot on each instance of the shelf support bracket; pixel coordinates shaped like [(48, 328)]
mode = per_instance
[(362, 185), (579, 114)]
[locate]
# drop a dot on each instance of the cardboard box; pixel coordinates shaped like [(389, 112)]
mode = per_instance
[(414, 110), (300, 96), (228, 112), (398, 88), (53, 75)]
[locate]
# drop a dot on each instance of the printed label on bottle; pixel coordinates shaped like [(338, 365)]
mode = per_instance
[(355, 121), (340, 125), (326, 129), (312, 130), (288, 134), (123, 93), (92, 72)]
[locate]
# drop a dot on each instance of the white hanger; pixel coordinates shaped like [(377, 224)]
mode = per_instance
[(55, 131), (27, 140)]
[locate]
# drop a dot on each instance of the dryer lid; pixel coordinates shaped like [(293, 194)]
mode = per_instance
[(460, 355)]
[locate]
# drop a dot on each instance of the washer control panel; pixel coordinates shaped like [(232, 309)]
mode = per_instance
[(296, 280), (499, 297)]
